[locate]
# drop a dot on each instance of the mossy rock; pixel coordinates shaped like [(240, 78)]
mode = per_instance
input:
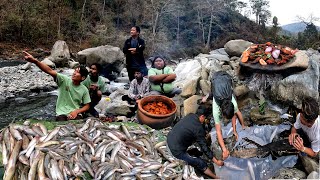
[(270, 117)]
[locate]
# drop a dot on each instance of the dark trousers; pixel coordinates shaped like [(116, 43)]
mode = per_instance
[(92, 111), (195, 162), (131, 102)]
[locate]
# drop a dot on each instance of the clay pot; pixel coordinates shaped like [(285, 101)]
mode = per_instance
[(156, 121)]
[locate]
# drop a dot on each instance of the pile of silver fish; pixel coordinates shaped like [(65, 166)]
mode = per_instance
[(91, 150)]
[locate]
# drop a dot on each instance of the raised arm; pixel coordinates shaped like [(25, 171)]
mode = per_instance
[(45, 68)]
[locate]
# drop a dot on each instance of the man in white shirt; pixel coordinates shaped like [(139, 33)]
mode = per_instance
[(308, 121)]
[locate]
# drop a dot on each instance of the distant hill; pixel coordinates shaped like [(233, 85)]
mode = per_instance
[(296, 27)]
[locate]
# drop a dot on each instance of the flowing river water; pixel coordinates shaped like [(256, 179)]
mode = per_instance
[(41, 106)]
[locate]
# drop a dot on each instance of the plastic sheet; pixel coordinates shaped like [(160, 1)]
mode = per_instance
[(253, 168)]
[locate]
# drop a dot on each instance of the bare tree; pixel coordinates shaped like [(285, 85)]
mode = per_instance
[(310, 19), (207, 9), (260, 9), (158, 8)]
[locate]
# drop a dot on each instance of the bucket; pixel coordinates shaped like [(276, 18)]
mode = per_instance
[(153, 120)]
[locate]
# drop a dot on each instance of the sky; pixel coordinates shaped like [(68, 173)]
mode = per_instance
[(288, 10)]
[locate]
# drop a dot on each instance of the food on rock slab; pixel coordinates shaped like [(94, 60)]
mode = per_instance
[(268, 54)]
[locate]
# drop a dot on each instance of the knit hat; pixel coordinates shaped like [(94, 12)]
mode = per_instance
[(154, 59)]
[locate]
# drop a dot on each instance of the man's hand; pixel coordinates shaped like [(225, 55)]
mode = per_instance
[(204, 98), (217, 162), (132, 50), (28, 57), (298, 143), (73, 115), (292, 138), (225, 153), (93, 87)]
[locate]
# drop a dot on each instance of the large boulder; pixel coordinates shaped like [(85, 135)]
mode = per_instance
[(190, 87), (236, 47), (241, 90), (60, 54), (190, 105), (309, 164), (188, 74), (221, 51), (205, 86), (48, 61), (293, 88), (218, 57), (104, 55)]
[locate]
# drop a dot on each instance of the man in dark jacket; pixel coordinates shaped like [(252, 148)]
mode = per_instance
[(188, 130), (133, 49)]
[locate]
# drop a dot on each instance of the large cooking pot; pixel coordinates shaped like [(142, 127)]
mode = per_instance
[(153, 120)]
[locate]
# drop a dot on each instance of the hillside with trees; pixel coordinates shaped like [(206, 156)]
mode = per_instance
[(174, 28)]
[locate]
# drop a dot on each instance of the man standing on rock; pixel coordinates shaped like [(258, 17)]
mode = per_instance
[(133, 49), (96, 86), (73, 97)]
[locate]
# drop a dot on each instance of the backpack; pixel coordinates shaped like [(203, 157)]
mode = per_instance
[(221, 84)]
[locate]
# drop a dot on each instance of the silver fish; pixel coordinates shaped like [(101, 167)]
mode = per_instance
[(11, 166)]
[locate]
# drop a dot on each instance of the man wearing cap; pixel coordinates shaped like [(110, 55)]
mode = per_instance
[(188, 130)]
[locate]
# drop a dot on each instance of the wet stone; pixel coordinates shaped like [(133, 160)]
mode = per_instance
[(290, 173), (270, 117)]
